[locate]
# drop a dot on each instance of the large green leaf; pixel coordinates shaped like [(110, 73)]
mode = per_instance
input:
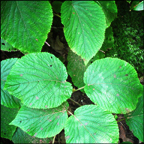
[(135, 120), (113, 84), (5, 46), (139, 7), (41, 123), (91, 124), (76, 67), (7, 115), (39, 80), (25, 25), (110, 10), (84, 27), (7, 99), (22, 137)]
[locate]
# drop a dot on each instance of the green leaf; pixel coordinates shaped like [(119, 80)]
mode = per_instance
[(135, 120), (57, 6), (39, 80), (22, 137), (84, 27), (41, 123), (7, 115), (134, 3), (129, 1), (76, 67), (110, 10), (91, 124), (109, 39), (113, 84), (139, 7), (25, 25), (7, 99), (5, 46)]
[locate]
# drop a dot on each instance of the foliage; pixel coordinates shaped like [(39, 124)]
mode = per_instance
[(129, 34), (35, 90)]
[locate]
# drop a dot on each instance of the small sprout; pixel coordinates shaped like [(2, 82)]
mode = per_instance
[(93, 89), (36, 39), (21, 74), (46, 106), (30, 104), (50, 120), (73, 12), (120, 67)]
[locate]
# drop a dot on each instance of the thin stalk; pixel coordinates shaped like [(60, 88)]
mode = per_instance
[(75, 101), (79, 89), (102, 51), (57, 15), (70, 112), (53, 139), (121, 120), (47, 43)]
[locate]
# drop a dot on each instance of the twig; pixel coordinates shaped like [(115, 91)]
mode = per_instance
[(79, 89), (75, 101), (57, 15), (102, 51), (47, 43), (121, 120), (53, 139)]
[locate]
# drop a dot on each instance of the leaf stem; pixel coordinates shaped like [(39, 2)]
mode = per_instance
[(75, 101), (78, 89), (101, 51), (121, 120), (70, 112), (57, 15), (53, 139), (47, 43)]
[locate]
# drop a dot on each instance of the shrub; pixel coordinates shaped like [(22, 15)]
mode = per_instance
[(35, 90)]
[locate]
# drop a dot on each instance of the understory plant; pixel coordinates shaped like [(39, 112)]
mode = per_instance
[(35, 90), (129, 35)]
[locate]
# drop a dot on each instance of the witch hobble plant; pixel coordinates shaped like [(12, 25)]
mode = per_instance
[(34, 90)]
